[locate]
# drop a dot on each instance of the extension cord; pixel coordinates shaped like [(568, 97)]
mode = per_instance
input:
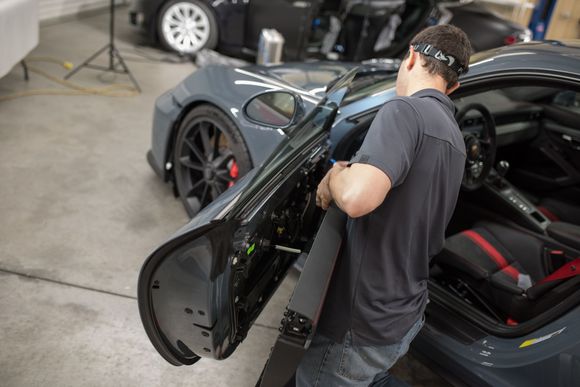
[(113, 90)]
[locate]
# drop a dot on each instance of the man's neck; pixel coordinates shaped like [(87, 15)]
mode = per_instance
[(418, 86)]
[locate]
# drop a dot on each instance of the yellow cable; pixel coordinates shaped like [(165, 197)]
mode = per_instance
[(113, 90)]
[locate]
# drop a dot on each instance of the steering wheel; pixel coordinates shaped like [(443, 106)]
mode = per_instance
[(480, 149)]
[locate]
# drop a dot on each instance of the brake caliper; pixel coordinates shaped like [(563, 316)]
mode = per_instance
[(234, 172)]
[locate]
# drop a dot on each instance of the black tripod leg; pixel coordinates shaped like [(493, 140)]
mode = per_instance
[(126, 69), (25, 68), (86, 62)]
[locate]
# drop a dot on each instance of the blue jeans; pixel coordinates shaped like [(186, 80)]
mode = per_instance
[(327, 363)]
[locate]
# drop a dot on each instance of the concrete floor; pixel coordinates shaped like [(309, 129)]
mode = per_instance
[(80, 210)]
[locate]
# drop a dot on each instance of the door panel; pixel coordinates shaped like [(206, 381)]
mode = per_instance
[(551, 163), (302, 313)]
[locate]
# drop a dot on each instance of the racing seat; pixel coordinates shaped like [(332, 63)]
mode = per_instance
[(518, 274)]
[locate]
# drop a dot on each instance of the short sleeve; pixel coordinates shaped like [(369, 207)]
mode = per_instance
[(392, 140)]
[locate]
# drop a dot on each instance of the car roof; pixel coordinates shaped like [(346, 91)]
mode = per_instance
[(547, 56)]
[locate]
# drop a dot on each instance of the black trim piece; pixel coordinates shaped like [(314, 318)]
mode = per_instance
[(303, 311), (311, 288)]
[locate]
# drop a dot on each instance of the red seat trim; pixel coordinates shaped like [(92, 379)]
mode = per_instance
[(492, 252), (570, 269)]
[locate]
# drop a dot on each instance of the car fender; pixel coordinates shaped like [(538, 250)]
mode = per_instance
[(227, 89)]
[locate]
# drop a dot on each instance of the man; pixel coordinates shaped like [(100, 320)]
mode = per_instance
[(399, 192)]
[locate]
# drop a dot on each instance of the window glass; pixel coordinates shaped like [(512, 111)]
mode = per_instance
[(570, 100)]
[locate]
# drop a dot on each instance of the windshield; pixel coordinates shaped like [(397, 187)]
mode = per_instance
[(368, 84)]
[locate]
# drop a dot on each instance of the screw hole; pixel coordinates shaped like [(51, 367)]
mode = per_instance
[(207, 349), (205, 334), (188, 311), (201, 312)]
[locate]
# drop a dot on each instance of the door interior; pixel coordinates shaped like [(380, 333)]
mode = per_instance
[(549, 166)]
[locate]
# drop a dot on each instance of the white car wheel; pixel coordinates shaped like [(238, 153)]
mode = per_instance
[(187, 26)]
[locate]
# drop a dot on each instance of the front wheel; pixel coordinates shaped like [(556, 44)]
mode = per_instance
[(187, 26), (209, 157)]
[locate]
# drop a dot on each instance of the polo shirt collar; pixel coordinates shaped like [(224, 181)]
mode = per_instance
[(434, 93)]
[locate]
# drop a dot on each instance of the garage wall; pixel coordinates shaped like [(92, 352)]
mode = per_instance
[(56, 9)]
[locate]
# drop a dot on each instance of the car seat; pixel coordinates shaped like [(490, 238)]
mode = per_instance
[(520, 275)]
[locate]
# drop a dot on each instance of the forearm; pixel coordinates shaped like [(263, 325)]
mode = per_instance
[(359, 189)]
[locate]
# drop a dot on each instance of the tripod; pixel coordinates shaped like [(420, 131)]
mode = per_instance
[(114, 55)]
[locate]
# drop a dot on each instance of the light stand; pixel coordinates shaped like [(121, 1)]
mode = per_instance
[(114, 55)]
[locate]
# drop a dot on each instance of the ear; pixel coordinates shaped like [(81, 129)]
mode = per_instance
[(412, 58), (452, 88)]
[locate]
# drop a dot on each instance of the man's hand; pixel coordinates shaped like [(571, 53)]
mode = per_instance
[(323, 194)]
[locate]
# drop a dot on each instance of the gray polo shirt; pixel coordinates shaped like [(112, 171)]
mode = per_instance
[(379, 288)]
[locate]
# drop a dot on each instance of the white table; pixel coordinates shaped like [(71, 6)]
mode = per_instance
[(18, 31)]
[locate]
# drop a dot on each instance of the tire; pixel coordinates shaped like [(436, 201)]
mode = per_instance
[(186, 26), (209, 156)]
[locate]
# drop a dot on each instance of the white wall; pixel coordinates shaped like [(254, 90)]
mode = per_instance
[(54, 9)]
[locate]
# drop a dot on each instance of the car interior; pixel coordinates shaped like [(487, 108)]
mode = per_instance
[(513, 244)]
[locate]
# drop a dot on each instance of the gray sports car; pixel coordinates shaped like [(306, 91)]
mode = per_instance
[(504, 292)]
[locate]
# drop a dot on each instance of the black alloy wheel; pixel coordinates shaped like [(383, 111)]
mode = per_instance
[(209, 157)]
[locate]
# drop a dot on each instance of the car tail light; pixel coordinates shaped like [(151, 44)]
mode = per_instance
[(510, 39), (524, 36)]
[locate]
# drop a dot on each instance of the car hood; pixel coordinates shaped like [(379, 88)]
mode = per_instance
[(309, 76)]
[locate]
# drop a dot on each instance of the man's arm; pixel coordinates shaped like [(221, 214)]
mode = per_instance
[(357, 190), (383, 160)]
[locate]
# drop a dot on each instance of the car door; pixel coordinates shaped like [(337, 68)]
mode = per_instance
[(201, 291)]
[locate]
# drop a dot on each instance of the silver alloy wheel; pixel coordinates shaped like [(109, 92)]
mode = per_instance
[(185, 27)]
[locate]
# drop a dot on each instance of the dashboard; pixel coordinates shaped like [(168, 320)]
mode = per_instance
[(516, 121)]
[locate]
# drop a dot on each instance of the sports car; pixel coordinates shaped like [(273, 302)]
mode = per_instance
[(315, 27), (504, 292)]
